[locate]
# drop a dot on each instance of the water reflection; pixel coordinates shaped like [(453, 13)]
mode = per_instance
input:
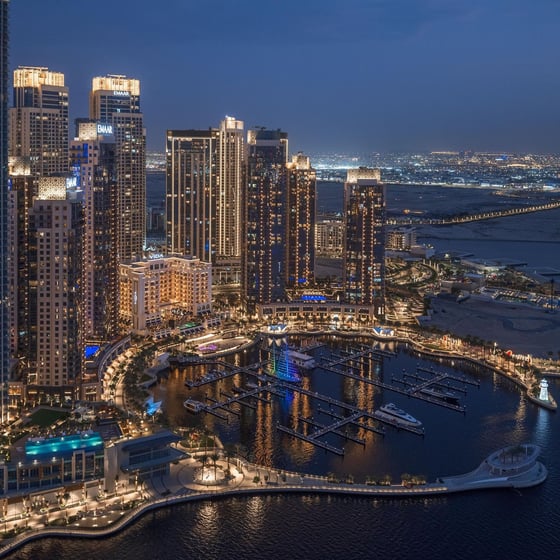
[(493, 418)]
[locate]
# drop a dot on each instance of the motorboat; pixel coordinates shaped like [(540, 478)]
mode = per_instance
[(393, 410), (193, 406)]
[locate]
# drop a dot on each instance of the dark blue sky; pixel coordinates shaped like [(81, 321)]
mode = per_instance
[(337, 75)]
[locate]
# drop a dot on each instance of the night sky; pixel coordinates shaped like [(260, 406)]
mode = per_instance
[(352, 76)]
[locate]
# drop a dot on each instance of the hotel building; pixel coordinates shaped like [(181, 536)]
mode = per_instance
[(162, 292), (115, 101), (263, 257), (364, 240), (39, 120)]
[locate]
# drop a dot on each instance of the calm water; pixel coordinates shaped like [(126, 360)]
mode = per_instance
[(489, 525), (492, 524)]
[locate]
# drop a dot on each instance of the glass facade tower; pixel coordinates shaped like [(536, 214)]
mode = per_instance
[(263, 260), (115, 101), (364, 240)]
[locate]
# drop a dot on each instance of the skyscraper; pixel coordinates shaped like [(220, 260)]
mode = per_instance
[(364, 242), (300, 222), (115, 100), (93, 165), (55, 255), (22, 320), (230, 189), (39, 120), (263, 260), (4, 294), (191, 186)]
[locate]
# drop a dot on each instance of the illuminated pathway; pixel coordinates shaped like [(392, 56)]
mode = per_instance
[(511, 467)]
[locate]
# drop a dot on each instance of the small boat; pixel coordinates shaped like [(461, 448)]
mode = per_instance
[(441, 393), (392, 409), (301, 360), (193, 406)]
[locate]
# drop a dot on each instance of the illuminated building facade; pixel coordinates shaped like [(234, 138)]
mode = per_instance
[(39, 120), (93, 165), (46, 463), (4, 254), (300, 220), (115, 101), (263, 258), (191, 186), (231, 157), (168, 289), (401, 239), (364, 243), (329, 237), (20, 201), (55, 268)]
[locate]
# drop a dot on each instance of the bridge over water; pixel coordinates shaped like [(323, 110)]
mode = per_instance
[(465, 218)]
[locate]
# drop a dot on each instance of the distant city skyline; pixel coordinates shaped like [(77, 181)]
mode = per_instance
[(358, 76)]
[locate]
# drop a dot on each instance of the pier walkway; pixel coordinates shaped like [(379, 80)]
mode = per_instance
[(511, 467)]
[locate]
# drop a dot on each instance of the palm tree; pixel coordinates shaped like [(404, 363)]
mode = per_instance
[(203, 459), (214, 457)]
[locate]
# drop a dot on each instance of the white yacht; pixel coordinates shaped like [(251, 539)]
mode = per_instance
[(392, 409)]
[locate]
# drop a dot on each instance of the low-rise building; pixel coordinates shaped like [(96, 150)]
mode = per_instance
[(160, 292)]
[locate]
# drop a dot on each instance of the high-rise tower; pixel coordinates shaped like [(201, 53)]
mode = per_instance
[(263, 260), (55, 256), (4, 290), (300, 222), (230, 189), (364, 242), (39, 120), (191, 185), (115, 100), (93, 165)]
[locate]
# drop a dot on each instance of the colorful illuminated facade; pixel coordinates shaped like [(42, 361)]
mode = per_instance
[(115, 101)]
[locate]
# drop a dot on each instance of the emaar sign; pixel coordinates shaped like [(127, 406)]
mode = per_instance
[(104, 128)]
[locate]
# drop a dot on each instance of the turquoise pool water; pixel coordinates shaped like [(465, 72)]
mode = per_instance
[(63, 444)]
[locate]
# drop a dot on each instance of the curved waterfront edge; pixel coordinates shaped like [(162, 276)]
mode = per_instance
[(482, 478)]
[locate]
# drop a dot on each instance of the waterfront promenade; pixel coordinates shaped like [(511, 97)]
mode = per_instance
[(97, 516)]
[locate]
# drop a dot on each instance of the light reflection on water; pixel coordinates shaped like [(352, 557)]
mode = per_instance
[(497, 414)]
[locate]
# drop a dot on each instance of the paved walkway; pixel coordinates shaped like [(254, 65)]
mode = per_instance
[(89, 513)]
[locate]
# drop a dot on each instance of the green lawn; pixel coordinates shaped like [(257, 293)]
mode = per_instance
[(45, 418)]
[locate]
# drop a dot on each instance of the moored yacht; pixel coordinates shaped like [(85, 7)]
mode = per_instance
[(393, 410), (193, 406)]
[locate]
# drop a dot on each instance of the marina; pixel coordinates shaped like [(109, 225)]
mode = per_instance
[(274, 377)]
